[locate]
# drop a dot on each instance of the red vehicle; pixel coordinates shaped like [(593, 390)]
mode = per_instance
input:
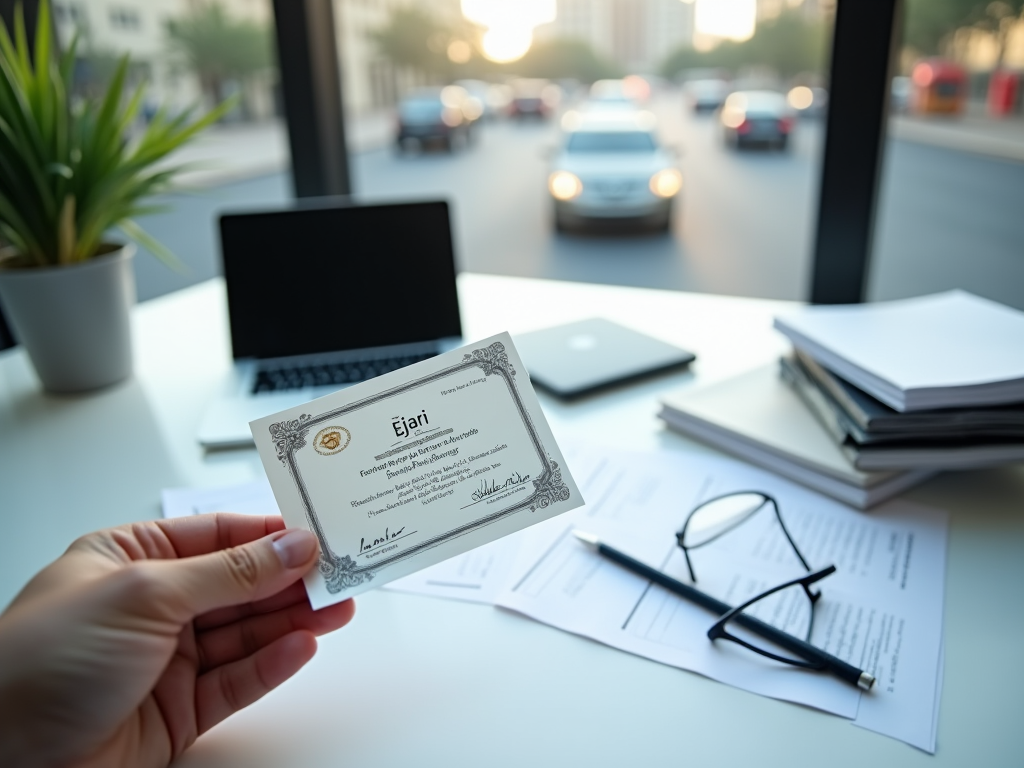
[(939, 87)]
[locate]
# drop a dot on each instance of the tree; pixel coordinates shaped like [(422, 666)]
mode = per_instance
[(219, 48), (789, 44), (564, 59), (929, 24), (415, 39)]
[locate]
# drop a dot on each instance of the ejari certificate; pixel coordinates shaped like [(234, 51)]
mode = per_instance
[(413, 467)]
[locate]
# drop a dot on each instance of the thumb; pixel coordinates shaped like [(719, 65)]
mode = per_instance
[(239, 574)]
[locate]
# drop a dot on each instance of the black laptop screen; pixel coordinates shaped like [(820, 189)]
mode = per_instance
[(327, 279)]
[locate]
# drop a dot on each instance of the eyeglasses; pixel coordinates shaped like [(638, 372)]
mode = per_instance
[(789, 607)]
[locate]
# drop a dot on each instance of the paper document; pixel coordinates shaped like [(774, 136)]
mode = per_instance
[(415, 466), (948, 350), (882, 609), (476, 576)]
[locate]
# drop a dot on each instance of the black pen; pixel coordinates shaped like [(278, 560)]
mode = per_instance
[(795, 645)]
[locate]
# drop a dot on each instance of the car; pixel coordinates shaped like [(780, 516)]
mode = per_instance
[(611, 166), (706, 95), (628, 93), (533, 97), (751, 118), (435, 115)]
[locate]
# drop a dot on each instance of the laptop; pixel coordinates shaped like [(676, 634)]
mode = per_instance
[(322, 297), (589, 355)]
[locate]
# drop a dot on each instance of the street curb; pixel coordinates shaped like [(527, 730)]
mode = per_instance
[(199, 180), (958, 137)]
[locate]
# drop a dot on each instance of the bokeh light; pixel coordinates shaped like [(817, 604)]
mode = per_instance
[(459, 52), (505, 44), (800, 97), (509, 24), (564, 185), (728, 19)]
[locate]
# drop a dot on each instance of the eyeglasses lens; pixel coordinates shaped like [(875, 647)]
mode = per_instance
[(789, 610), (712, 519)]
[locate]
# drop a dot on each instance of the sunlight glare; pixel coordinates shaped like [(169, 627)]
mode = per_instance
[(509, 23), (730, 19), (504, 44)]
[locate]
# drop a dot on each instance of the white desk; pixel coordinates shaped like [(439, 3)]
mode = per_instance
[(420, 682)]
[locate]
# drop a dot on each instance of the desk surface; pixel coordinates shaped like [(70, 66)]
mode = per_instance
[(424, 682)]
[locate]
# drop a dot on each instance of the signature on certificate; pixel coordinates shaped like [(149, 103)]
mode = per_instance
[(489, 488)]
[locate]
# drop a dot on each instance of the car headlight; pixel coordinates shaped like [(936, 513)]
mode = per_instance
[(564, 185), (667, 183)]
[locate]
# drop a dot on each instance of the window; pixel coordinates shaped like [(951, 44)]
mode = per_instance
[(126, 19), (600, 141), (949, 205)]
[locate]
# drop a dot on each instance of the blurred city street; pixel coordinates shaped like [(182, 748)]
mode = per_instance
[(745, 225)]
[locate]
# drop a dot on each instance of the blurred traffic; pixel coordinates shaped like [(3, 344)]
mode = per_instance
[(611, 165)]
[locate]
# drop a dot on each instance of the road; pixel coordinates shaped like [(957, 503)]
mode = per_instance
[(744, 227)]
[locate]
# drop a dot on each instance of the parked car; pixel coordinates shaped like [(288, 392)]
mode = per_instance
[(534, 97), (706, 95), (939, 87), (751, 118), (435, 115), (611, 166)]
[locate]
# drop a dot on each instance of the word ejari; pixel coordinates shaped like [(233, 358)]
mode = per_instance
[(403, 427)]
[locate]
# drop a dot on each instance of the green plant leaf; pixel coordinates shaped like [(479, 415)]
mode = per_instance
[(161, 251), (68, 172)]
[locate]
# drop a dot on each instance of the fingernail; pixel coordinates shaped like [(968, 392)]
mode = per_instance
[(295, 547)]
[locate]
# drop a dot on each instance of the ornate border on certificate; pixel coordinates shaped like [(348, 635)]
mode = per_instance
[(341, 573)]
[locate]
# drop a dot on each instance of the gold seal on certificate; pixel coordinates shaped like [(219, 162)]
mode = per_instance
[(415, 466)]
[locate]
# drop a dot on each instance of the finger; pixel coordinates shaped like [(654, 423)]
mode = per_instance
[(202, 534), (223, 691), (192, 586), (244, 638), (287, 597)]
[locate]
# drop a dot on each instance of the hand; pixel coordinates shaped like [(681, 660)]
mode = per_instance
[(141, 638)]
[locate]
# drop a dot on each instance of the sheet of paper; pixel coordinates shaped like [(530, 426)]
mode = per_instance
[(881, 610), (476, 576), (253, 498), (414, 467)]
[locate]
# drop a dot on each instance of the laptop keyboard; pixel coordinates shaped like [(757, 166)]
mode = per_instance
[(301, 376)]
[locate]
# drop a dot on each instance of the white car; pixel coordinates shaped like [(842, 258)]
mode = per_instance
[(612, 166)]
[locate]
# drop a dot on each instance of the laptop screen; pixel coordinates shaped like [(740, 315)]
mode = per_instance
[(327, 279)]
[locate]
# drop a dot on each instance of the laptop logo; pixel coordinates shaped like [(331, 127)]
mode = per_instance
[(332, 440)]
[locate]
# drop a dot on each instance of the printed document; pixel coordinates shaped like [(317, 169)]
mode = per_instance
[(881, 610), (414, 467)]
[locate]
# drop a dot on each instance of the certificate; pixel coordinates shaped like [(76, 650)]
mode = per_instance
[(413, 467)]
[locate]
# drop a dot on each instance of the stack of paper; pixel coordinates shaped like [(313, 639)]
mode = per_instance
[(950, 350), (934, 382), (874, 436), (756, 417)]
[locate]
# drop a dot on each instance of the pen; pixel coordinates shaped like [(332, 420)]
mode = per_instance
[(801, 648)]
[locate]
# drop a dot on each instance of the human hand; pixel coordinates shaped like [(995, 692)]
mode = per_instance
[(142, 637)]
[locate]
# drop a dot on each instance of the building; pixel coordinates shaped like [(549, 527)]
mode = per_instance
[(108, 30), (636, 34)]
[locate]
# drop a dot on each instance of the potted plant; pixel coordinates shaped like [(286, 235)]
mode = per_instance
[(71, 173)]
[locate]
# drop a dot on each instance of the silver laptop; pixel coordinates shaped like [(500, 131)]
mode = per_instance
[(322, 297), (589, 355)]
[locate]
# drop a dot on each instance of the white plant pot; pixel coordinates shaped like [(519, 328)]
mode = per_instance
[(74, 321)]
